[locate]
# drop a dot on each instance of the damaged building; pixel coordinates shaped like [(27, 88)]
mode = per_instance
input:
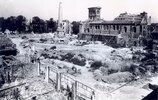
[(124, 28)]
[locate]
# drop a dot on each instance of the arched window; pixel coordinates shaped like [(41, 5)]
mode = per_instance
[(140, 28), (117, 27), (125, 28), (134, 29), (104, 27), (114, 27), (88, 30), (95, 27), (98, 27)]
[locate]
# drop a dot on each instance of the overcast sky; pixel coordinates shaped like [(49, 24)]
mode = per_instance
[(77, 9)]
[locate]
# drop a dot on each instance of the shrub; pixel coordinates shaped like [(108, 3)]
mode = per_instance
[(53, 47), (67, 57), (45, 55), (111, 71), (31, 40), (104, 70), (96, 65), (118, 77), (24, 37), (78, 60), (75, 59), (5, 42), (7, 47), (97, 75), (43, 40)]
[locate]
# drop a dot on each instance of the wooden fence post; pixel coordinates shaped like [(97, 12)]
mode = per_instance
[(93, 95), (74, 90), (58, 81), (47, 74), (29, 57), (38, 65)]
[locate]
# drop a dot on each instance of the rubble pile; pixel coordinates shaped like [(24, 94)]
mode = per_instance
[(145, 63), (122, 67), (9, 69)]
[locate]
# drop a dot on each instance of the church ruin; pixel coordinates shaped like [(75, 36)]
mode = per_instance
[(124, 28)]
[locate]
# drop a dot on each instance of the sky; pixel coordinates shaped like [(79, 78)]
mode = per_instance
[(76, 10)]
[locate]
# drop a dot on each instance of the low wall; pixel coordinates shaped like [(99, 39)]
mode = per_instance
[(8, 52), (102, 38)]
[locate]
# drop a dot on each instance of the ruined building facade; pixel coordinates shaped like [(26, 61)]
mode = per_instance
[(123, 28)]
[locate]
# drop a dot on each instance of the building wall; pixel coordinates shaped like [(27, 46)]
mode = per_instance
[(94, 13), (130, 25), (112, 29), (66, 26)]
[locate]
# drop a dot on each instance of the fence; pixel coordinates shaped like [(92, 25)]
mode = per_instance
[(60, 80), (63, 81)]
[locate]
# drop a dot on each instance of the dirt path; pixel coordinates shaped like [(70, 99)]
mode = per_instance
[(17, 41)]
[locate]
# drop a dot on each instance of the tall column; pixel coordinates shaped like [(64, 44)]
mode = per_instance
[(59, 14)]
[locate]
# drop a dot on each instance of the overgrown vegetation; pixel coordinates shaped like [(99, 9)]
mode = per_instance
[(143, 64), (77, 59), (96, 65), (9, 70), (7, 47), (19, 24)]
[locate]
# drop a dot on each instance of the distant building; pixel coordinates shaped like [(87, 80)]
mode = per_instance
[(128, 17), (125, 26), (94, 13), (154, 31), (66, 26)]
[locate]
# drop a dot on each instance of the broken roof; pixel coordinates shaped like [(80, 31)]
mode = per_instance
[(94, 8), (113, 22)]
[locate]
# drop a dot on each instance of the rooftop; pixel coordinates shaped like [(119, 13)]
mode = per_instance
[(112, 22), (94, 7)]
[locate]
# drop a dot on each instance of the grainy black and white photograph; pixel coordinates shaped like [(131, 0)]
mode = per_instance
[(78, 50)]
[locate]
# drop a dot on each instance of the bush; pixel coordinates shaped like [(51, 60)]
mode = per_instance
[(6, 42), (104, 70), (43, 40), (111, 71), (45, 55), (67, 57), (75, 59), (31, 40), (53, 47), (97, 75), (7, 47), (118, 77), (96, 65), (24, 37), (78, 60)]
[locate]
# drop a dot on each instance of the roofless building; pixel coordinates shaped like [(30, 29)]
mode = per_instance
[(125, 27)]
